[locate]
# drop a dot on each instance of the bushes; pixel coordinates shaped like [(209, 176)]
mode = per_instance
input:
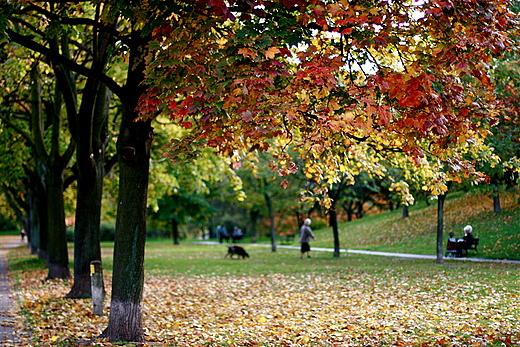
[(107, 232)]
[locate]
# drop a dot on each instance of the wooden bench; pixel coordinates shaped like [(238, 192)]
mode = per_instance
[(287, 237), (473, 246)]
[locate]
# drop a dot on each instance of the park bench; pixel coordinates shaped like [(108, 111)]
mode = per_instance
[(286, 237), (451, 248), (473, 246)]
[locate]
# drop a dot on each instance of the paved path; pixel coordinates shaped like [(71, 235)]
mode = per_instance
[(7, 301), (383, 254)]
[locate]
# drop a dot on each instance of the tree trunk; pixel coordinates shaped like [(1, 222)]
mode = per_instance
[(254, 216), (89, 127), (91, 141), (496, 202), (125, 322), (175, 231), (333, 221), (348, 207), (133, 144), (271, 218), (58, 255), (440, 227), (359, 211), (38, 220), (49, 170), (405, 211)]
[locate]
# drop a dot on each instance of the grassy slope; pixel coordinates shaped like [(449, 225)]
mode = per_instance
[(499, 233)]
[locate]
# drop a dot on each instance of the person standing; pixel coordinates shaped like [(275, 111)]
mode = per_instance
[(305, 236)]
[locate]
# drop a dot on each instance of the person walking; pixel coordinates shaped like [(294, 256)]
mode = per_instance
[(305, 236)]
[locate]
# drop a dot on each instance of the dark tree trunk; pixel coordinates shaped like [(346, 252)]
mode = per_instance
[(133, 144), (89, 127), (440, 227), (91, 141), (37, 220), (496, 204), (405, 211), (348, 207), (359, 211), (496, 201), (271, 218), (175, 231), (42, 232), (58, 255), (333, 222), (50, 168)]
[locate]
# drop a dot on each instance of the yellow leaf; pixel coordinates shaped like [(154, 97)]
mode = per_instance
[(247, 52), (271, 52)]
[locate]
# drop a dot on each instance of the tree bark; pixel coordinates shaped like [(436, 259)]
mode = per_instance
[(496, 201), (58, 255), (92, 141), (405, 211), (175, 231), (254, 216), (50, 167), (440, 227), (89, 127), (133, 145), (271, 218), (333, 222)]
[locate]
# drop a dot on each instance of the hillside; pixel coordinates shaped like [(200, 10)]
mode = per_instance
[(499, 233)]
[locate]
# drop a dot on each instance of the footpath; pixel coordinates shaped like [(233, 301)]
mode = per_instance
[(8, 336), (382, 254)]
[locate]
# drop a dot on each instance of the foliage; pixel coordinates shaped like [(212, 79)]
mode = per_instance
[(326, 76), (506, 135)]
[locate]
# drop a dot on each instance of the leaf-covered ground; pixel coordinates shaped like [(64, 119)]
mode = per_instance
[(391, 303)]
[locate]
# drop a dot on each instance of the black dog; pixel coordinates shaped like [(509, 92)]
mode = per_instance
[(239, 251)]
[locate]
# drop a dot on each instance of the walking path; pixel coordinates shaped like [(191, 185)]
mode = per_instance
[(8, 335), (383, 254)]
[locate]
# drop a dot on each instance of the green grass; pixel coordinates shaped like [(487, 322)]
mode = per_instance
[(10, 232), (387, 232), (208, 260)]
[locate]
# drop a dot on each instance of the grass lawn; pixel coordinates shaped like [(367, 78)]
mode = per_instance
[(499, 233)]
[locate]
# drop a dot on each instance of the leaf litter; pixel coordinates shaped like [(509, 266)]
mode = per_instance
[(361, 309)]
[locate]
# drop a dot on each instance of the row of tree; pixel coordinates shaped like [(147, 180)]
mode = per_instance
[(330, 90)]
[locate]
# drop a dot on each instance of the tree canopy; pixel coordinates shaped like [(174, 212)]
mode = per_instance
[(326, 76)]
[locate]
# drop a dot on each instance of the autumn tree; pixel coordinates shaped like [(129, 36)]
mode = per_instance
[(505, 139)]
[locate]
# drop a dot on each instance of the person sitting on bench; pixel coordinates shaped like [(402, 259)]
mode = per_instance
[(451, 247), (466, 241)]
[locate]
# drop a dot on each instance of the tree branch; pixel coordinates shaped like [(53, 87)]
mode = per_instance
[(75, 21), (60, 59)]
